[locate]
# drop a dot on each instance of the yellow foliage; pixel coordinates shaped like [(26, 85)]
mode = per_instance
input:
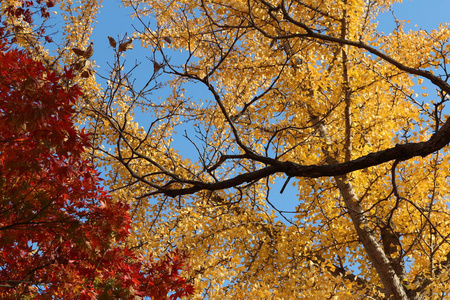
[(271, 85)]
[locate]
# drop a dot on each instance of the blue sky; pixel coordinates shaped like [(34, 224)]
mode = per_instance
[(427, 14), (113, 20)]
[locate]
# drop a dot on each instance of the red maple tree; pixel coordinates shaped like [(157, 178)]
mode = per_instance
[(61, 235)]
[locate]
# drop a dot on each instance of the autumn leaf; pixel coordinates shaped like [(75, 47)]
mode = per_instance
[(87, 53), (78, 52), (156, 66), (124, 46), (112, 42)]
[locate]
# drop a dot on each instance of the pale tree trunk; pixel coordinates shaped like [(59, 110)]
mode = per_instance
[(375, 252), (374, 249)]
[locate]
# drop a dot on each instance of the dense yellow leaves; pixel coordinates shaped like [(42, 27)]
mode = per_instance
[(255, 84), (274, 86)]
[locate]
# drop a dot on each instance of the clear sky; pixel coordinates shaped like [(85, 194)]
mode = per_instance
[(113, 21), (426, 14)]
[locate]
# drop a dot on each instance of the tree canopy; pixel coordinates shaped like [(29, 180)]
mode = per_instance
[(61, 235), (294, 95)]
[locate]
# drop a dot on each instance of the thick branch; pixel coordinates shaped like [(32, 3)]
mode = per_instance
[(400, 152)]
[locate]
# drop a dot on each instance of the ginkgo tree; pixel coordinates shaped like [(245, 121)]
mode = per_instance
[(307, 93), (308, 90)]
